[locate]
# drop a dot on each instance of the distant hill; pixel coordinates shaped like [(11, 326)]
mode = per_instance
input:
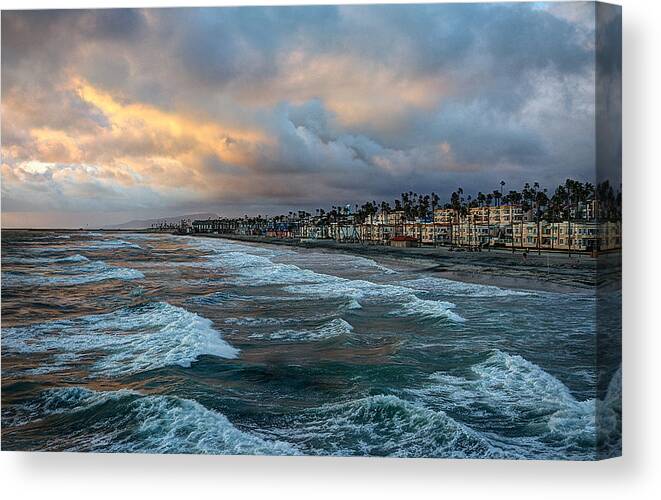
[(147, 223)]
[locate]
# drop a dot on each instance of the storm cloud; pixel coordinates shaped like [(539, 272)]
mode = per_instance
[(109, 114)]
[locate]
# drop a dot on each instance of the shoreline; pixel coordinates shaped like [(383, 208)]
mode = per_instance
[(502, 268)]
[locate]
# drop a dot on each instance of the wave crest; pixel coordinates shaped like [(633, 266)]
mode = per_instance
[(330, 329), (125, 421), (126, 341), (378, 425)]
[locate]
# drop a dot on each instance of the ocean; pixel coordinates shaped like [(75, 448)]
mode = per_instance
[(122, 342)]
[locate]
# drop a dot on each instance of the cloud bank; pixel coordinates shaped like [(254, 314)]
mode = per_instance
[(108, 114)]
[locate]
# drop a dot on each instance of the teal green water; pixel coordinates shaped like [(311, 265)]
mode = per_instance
[(156, 343)]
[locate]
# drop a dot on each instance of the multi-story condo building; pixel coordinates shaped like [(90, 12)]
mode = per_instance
[(506, 226)]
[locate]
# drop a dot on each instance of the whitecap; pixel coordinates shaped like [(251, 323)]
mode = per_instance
[(508, 390), (379, 425), (72, 275), (126, 341), (52, 237), (429, 309), (248, 269), (459, 288), (361, 291), (109, 245), (148, 424), (44, 260), (329, 329)]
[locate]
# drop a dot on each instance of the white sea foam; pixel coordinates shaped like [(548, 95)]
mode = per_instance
[(361, 291), (214, 298), (379, 425), (369, 263), (258, 270), (458, 288), (109, 245), (44, 260), (129, 340), (73, 275), (52, 237), (513, 391), (430, 309), (248, 269), (329, 329), (322, 261), (152, 424)]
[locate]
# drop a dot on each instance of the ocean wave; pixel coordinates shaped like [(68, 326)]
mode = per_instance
[(72, 275), (44, 260), (360, 291), (56, 402), (52, 237), (369, 263), (125, 421), (384, 425), (459, 288), (334, 261), (248, 269), (429, 309), (329, 329), (129, 340), (147, 237), (212, 299), (508, 391), (258, 270), (109, 245), (253, 266)]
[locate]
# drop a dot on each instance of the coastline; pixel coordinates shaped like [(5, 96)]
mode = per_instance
[(502, 268)]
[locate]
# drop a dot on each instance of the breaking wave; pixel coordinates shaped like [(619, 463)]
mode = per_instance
[(129, 340), (359, 292), (378, 425), (429, 309), (330, 329), (259, 270), (125, 421), (52, 237), (109, 245), (72, 275), (507, 390), (458, 288), (44, 260)]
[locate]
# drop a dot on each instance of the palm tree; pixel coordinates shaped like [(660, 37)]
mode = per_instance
[(497, 195)]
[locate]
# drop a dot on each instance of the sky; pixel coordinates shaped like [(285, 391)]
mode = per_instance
[(112, 115)]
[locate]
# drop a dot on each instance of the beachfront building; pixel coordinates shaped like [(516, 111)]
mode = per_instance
[(507, 227), (207, 226), (533, 223)]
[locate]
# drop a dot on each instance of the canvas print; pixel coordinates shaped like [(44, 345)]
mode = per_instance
[(366, 230)]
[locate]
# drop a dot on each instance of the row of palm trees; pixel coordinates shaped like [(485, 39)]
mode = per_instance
[(569, 200)]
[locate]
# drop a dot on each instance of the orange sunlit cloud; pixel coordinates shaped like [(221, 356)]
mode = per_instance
[(144, 112)]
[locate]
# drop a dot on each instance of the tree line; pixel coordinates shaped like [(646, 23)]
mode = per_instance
[(568, 200)]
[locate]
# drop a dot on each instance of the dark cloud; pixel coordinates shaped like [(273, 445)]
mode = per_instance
[(345, 103)]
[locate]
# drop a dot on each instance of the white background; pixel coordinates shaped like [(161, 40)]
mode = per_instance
[(636, 475)]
